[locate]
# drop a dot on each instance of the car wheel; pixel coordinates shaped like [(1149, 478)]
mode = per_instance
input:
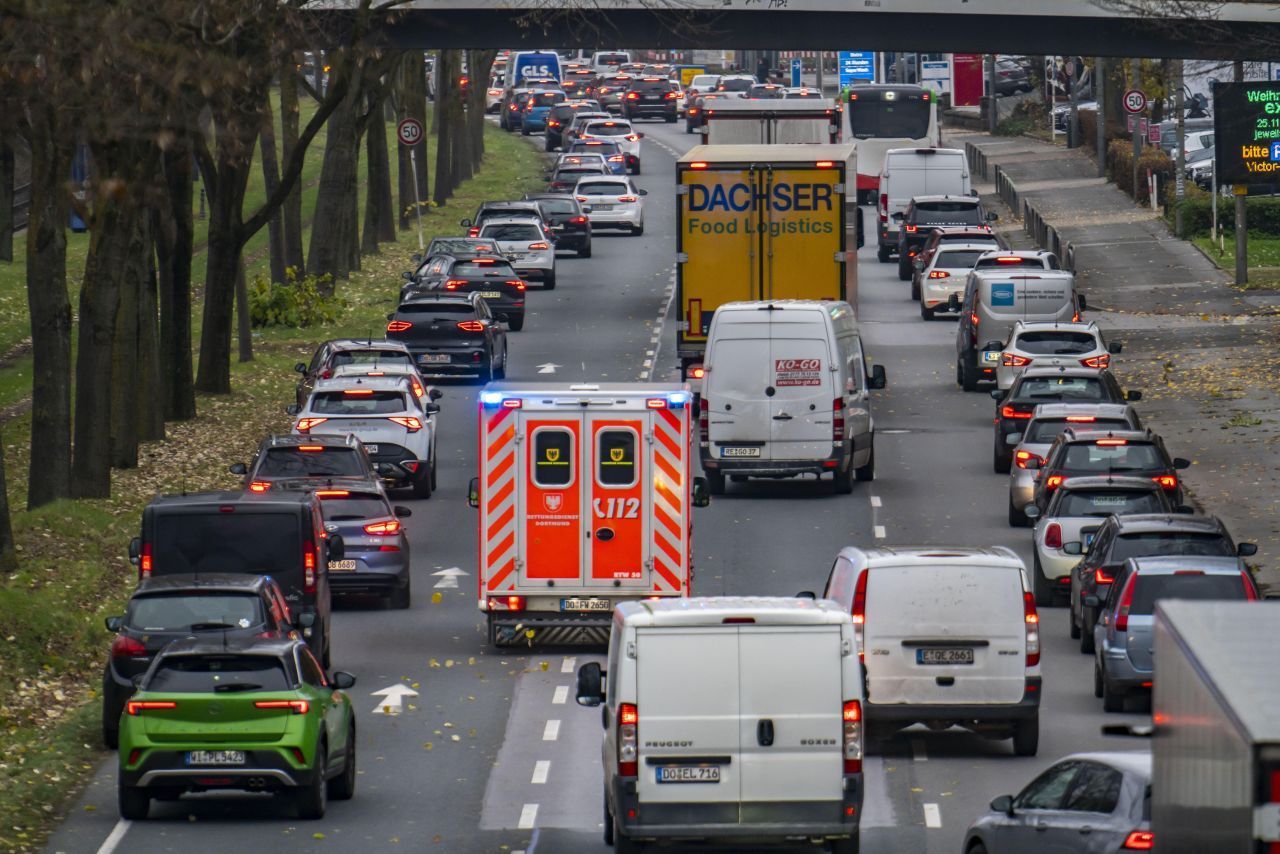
[(608, 823), (636, 169), (670, 119), (515, 324), (883, 253), (637, 230), (422, 483), (1000, 463), (852, 845), (868, 472), (1017, 519), (1112, 697), (1073, 627), (311, 800), (500, 372), (1097, 679), (1086, 633), (524, 131), (926, 313), (976, 848), (1026, 736), (915, 287), (842, 482), (343, 787), (1040, 584), (111, 710), (968, 376), (401, 597), (715, 483), (904, 266), (134, 802), (585, 252), (549, 283), (547, 146), (434, 469)]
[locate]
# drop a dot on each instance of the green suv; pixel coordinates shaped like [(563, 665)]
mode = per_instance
[(248, 715)]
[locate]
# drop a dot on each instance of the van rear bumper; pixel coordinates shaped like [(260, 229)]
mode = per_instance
[(777, 468), (1028, 706), (510, 628)]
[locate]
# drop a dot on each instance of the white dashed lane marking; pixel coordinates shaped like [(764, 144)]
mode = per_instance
[(528, 816), (552, 730), (568, 664), (932, 816), (561, 694), (875, 501), (541, 769), (880, 532)]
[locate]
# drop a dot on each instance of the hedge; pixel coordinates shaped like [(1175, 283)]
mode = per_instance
[(1197, 215), (1120, 164)]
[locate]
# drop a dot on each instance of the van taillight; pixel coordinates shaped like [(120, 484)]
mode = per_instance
[(837, 421), (1139, 840), (1032, 621), (628, 739), (851, 718), (1126, 602), (144, 561), (704, 423), (860, 611), (1053, 536), (309, 567), (884, 207)]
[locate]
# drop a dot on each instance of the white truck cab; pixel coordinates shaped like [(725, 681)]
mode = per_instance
[(730, 719)]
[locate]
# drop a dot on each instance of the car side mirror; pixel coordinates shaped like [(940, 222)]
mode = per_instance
[(465, 223), (1092, 601), (1003, 804), (292, 409), (1013, 439), (1179, 463), (1247, 549), (432, 408), (1075, 547), (306, 620), (435, 393), (407, 276), (879, 379), (337, 547), (1134, 395), (301, 367), (1084, 302), (1031, 511), (644, 192), (996, 394), (473, 492), (1115, 348), (342, 680), (590, 684), (701, 493), (114, 624), (135, 549), (391, 316), (238, 468), (402, 512), (992, 216)]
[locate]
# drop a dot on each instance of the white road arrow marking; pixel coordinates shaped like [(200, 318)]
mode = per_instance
[(449, 577), (392, 698), (548, 368)]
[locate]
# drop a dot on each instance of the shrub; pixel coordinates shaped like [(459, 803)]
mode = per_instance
[(295, 303), (1120, 164), (1197, 214)]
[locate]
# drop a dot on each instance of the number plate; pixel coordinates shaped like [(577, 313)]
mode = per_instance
[(597, 207), (491, 295), (689, 774), (215, 757), (372, 449), (739, 452), (342, 565), (990, 357), (944, 656), (517, 256), (580, 604), (433, 358)]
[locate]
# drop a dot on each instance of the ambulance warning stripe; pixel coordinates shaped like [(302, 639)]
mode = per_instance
[(667, 468), (498, 537), (662, 516), (668, 542), (501, 575)]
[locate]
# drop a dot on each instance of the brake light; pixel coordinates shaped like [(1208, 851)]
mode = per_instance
[(1097, 361), (305, 424), (1139, 840), (474, 231), (1167, 481), (260, 486), (357, 392), (884, 207), (144, 561), (628, 739), (851, 717), (399, 326), (939, 274), (1053, 536), (297, 707), (973, 318), (825, 164), (670, 96), (1080, 419), (581, 220), (1112, 443), (1008, 259), (1013, 360), (409, 422), (1250, 592), (1053, 481), (1032, 621), (506, 603), (698, 164), (471, 326), (1008, 411), (1022, 458), (581, 198), (418, 390), (860, 612), (495, 92), (124, 647), (633, 137), (1101, 576), (837, 421), (631, 96), (516, 283), (553, 124), (332, 493), (1126, 601), (912, 229), (628, 198), (539, 245), (137, 707), (381, 529), (697, 372), (454, 284)]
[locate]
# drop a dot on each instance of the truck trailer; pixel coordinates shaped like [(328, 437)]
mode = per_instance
[(772, 121)]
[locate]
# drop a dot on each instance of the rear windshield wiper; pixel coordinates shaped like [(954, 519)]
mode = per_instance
[(205, 627), (236, 686)]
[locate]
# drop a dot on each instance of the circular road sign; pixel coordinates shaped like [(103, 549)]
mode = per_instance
[(1135, 101), (409, 131)]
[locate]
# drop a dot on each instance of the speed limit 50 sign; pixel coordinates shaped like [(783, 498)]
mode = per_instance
[(409, 132), (1135, 101)]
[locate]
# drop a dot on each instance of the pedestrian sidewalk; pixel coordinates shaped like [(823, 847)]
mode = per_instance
[(1204, 354)]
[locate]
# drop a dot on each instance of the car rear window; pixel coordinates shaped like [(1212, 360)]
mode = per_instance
[(293, 462), (357, 401), (1020, 264), (1056, 343), (546, 99), (808, 93), (181, 612), (737, 85), (1156, 543), (1147, 588), (246, 539), (370, 357), (1044, 430), (559, 206), (612, 59), (1131, 456), (460, 244), (487, 268), (430, 310), (512, 231), (601, 188), (944, 213), (1060, 388), (207, 674), (345, 506), (643, 85), (607, 129), (1105, 502), (958, 258)]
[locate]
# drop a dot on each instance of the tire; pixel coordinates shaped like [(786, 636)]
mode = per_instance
[(669, 119), (968, 376), (486, 372), (401, 597), (111, 710), (434, 470), (524, 131), (1073, 628), (626, 845), (904, 266), (422, 484), (1112, 698), (926, 313), (515, 324), (715, 483), (959, 373), (343, 787), (1000, 463), (585, 252), (1026, 736), (1044, 593), (549, 283), (547, 146), (311, 800), (1017, 519), (608, 823), (636, 170), (852, 845), (134, 802), (637, 230), (1097, 680), (1086, 633), (915, 288), (883, 254), (977, 848), (867, 473), (842, 481)]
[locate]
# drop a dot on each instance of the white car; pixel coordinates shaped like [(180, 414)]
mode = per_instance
[(612, 202), (945, 274), (398, 428), (421, 390), (1052, 344), (619, 131), (531, 249)]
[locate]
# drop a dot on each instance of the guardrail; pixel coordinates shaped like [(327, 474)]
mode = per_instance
[(21, 206)]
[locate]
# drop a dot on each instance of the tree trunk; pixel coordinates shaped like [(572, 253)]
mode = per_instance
[(49, 477), (244, 327), (413, 105), (222, 261), (480, 62), (292, 209), (6, 197), (124, 352), (150, 392), (379, 216), (446, 115), (8, 555), (174, 237), (335, 225), (271, 180)]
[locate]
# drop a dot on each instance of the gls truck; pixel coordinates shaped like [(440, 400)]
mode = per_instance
[(772, 121), (532, 64), (761, 222)]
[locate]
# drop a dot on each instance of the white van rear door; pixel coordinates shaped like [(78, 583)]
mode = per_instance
[(945, 634), (800, 406), (739, 371), (687, 699), (791, 692)]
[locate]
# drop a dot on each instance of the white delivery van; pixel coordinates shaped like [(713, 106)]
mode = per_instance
[(730, 720), (787, 391), (948, 637), (911, 172)]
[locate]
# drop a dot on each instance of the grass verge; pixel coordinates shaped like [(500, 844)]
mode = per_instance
[(1264, 258)]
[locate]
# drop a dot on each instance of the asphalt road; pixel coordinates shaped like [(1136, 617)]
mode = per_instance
[(493, 755)]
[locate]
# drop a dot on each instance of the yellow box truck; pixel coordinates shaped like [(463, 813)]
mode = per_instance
[(758, 222)]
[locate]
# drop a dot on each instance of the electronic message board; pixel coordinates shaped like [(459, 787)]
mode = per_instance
[(1246, 124)]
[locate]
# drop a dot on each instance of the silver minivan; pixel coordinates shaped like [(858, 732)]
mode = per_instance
[(787, 391)]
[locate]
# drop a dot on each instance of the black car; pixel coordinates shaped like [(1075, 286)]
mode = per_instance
[(651, 97), (924, 213), (493, 278), (579, 82), (491, 210), (1090, 451), (695, 110), (1119, 538), (567, 176), (559, 119), (315, 457), (1011, 77), (569, 224), (279, 534), (162, 610), (451, 334), (765, 92), (337, 352), (1035, 386)]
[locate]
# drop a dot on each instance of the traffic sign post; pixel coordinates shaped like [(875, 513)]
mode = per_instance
[(410, 133)]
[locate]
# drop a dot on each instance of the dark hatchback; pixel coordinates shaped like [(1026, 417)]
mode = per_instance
[(925, 213), (302, 458), (500, 210), (453, 334), (695, 110), (338, 352), (559, 119), (1093, 452), (494, 279), (651, 97), (162, 610), (569, 225)]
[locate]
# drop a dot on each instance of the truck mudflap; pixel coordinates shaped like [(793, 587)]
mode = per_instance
[(507, 629)]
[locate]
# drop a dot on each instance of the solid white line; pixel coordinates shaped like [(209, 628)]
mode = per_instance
[(662, 319), (562, 694), (875, 501), (568, 664), (918, 752), (648, 365), (932, 816), (541, 769), (552, 730), (115, 837), (879, 532), (528, 816)]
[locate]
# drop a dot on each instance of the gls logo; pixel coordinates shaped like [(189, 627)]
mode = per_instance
[(532, 70), (742, 197)]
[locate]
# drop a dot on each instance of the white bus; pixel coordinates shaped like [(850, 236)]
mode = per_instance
[(882, 117)]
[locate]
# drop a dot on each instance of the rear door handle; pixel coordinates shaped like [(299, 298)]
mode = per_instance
[(764, 733), (782, 416)]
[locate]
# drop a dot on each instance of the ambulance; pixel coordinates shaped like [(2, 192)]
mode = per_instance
[(584, 492)]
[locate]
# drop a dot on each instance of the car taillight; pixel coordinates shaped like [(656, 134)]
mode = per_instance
[(1081, 419), (697, 372), (309, 567), (851, 718), (517, 284), (1139, 840), (633, 137), (582, 220), (911, 229), (473, 232), (297, 707), (553, 124), (506, 603), (628, 198), (628, 739), (126, 647), (260, 486), (305, 424), (382, 529), (1012, 412), (1250, 591), (409, 422), (1032, 621), (418, 390), (1053, 481), (973, 318), (399, 326), (144, 561), (471, 326), (452, 285), (1101, 576), (860, 612), (1053, 536), (1097, 361), (581, 198), (837, 421), (704, 422), (631, 96), (495, 92), (1013, 360), (1126, 601), (884, 207), (1022, 458), (539, 245), (939, 274), (671, 95), (137, 707), (1167, 481)]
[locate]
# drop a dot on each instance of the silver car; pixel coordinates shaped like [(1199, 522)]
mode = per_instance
[(1047, 421), (1086, 803), (1124, 639), (531, 249)]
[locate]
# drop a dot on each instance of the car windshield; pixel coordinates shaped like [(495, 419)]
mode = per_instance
[(180, 612), (211, 540), (942, 213), (487, 268), (512, 231), (1056, 343), (1043, 431), (208, 674), (324, 460), (1147, 588), (370, 357), (339, 505), (954, 259), (1157, 543), (607, 129), (601, 188), (604, 149), (1095, 456), (1108, 502), (356, 401), (1060, 388)]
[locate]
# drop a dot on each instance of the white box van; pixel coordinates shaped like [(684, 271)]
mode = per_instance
[(787, 391), (607, 61), (994, 300), (948, 637), (911, 172), (730, 720)]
